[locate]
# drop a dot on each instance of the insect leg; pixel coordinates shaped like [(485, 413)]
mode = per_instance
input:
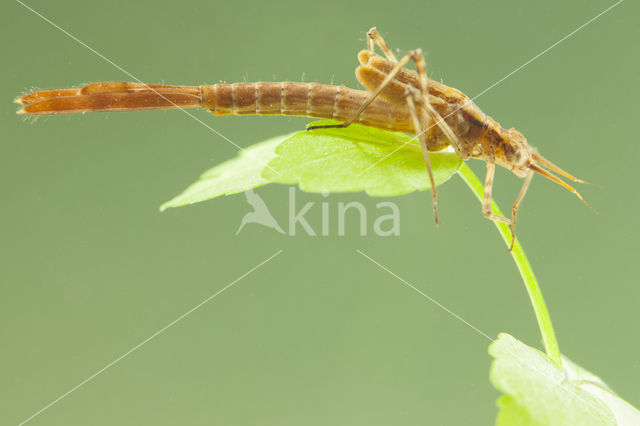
[(372, 96), (417, 124), (374, 37), (486, 202), (428, 109), (516, 204)]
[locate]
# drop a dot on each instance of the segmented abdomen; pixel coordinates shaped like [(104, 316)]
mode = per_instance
[(304, 99)]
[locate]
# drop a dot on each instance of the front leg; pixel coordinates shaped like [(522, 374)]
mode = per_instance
[(486, 202), (516, 204)]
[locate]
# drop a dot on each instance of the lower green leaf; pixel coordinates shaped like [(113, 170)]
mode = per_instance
[(538, 393)]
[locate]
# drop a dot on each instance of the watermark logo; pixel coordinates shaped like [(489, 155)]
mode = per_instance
[(333, 219), (260, 214)]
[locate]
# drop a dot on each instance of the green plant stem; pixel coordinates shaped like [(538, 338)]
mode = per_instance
[(530, 282)]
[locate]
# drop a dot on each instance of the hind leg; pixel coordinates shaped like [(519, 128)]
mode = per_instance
[(374, 94)]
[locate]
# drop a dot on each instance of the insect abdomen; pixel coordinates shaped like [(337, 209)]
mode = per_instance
[(303, 99)]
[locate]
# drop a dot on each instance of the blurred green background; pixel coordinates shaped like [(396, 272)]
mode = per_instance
[(319, 335)]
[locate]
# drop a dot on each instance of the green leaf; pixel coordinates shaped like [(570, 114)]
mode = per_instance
[(358, 158), (538, 393), (236, 175)]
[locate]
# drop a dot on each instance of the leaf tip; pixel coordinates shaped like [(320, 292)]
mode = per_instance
[(165, 206)]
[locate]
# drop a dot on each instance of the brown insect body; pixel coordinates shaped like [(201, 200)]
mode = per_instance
[(478, 134), (398, 99)]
